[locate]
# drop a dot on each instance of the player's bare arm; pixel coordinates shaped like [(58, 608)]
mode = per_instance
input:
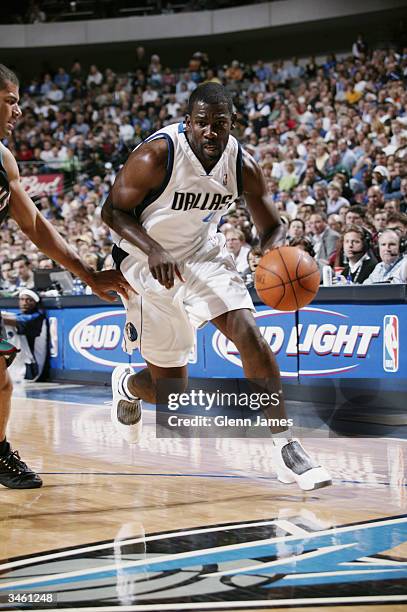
[(263, 211), (143, 173), (49, 241)]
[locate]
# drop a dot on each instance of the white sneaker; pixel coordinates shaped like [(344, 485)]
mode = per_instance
[(126, 413), (293, 464)]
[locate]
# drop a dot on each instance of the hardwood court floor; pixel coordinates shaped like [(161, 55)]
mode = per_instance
[(219, 532)]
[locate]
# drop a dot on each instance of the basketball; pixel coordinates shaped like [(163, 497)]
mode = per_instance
[(287, 278)]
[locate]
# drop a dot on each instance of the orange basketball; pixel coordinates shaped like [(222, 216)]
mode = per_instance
[(287, 278)]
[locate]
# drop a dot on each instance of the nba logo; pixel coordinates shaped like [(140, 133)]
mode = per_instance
[(391, 343)]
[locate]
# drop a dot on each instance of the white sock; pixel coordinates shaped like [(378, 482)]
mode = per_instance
[(282, 438)]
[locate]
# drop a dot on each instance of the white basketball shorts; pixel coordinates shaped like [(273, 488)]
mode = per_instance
[(165, 320)]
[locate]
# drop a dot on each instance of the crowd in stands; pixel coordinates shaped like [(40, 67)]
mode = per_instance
[(329, 135)]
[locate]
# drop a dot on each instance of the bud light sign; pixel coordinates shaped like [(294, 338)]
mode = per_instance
[(352, 341), (98, 339)]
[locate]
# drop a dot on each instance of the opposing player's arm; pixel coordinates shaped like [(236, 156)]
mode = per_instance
[(49, 241), (263, 211), (141, 176)]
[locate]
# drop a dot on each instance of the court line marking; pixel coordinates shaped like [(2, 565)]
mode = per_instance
[(153, 538), (37, 580), (222, 605), (200, 475)]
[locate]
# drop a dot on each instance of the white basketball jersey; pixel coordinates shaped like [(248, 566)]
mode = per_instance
[(184, 213)]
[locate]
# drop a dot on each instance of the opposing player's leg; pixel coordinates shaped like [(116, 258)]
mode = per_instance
[(14, 473), (292, 462), (130, 389)]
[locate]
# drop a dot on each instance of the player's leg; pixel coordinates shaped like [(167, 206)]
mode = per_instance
[(129, 389), (144, 383), (14, 473), (292, 462), (6, 389), (258, 361)]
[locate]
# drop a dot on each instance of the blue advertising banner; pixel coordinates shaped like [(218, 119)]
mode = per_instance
[(278, 328), (352, 341), (90, 339), (332, 340)]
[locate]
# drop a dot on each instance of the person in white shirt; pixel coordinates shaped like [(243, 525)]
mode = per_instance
[(388, 270), (95, 77), (335, 199), (149, 95), (237, 247), (126, 130)]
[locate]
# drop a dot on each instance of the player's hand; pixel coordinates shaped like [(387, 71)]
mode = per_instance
[(103, 282), (164, 268)]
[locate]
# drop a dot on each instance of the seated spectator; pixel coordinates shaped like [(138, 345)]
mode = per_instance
[(374, 199), (23, 273), (8, 280), (253, 258), (380, 221), (389, 267), (356, 245), (28, 331), (239, 250), (296, 229), (398, 223), (355, 216), (324, 239), (392, 206), (289, 180), (380, 176), (335, 199), (335, 222)]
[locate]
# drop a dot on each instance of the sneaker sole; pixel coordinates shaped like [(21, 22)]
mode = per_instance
[(130, 433), (316, 478)]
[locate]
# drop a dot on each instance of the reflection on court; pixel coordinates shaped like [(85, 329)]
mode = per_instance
[(193, 524)]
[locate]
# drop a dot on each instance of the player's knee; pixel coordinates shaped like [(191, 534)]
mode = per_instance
[(250, 338)]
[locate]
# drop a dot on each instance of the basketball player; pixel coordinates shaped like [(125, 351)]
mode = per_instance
[(14, 201), (164, 209)]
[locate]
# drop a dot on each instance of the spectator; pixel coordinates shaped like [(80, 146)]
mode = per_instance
[(335, 223), (335, 200), (380, 221), (23, 273), (324, 239), (391, 259), (356, 245), (296, 229), (355, 216), (28, 331), (289, 179), (95, 77), (392, 206), (398, 223), (235, 244), (8, 281), (253, 258)]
